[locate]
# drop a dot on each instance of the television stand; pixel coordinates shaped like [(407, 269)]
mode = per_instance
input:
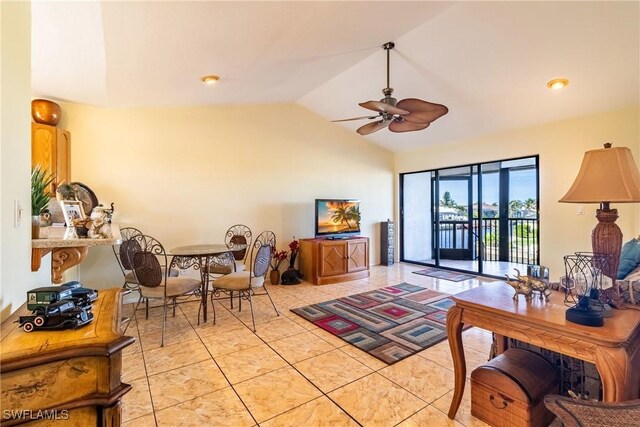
[(336, 237), (324, 261)]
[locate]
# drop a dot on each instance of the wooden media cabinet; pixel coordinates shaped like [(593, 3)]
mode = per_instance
[(325, 261)]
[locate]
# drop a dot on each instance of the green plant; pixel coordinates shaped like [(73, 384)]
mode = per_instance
[(40, 180)]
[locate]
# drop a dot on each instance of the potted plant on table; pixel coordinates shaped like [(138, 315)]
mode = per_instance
[(40, 180), (276, 260)]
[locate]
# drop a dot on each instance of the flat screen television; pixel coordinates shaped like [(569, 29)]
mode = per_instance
[(337, 218)]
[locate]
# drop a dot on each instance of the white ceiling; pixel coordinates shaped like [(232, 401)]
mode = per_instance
[(487, 61)]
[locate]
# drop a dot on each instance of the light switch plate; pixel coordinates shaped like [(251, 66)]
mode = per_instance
[(580, 210), (17, 213)]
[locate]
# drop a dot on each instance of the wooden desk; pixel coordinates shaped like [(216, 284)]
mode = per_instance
[(613, 348), (72, 374)]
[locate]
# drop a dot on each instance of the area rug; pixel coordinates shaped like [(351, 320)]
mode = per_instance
[(444, 274), (390, 323)]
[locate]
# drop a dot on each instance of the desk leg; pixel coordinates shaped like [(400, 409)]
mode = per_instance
[(454, 333), (619, 379)]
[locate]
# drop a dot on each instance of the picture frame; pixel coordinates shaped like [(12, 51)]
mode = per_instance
[(72, 210)]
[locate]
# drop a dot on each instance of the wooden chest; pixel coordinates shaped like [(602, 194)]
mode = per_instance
[(509, 390)]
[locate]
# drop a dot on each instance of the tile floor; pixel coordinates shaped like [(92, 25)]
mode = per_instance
[(290, 373)]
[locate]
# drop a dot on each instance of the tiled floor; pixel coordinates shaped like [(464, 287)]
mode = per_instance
[(290, 373)]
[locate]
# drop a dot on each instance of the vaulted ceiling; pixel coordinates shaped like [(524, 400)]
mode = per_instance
[(489, 62)]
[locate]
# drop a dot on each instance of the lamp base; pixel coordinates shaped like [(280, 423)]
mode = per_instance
[(585, 317), (589, 311), (606, 238)]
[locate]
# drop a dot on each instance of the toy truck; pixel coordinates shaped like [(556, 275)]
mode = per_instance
[(56, 315), (79, 293), (39, 298)]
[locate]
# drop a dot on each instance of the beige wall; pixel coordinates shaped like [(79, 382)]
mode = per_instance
[(15, 152), (561, 146), (184, 175)]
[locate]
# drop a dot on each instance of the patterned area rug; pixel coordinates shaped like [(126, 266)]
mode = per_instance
[(444, 274), (390, 323)]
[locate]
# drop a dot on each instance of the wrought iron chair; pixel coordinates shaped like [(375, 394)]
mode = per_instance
[(150, 267), (238, 240), (124, 255), (247, 282)]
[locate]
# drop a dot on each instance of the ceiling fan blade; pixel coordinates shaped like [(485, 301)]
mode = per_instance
[(373, 127), (404, 126), (355, 118), (381, 106), (421, 111)]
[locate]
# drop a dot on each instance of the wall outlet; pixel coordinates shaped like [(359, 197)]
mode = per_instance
[(580, 210)]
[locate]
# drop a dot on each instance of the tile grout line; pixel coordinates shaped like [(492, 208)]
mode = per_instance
[(283, 295)]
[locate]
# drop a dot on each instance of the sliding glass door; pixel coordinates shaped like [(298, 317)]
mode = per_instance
[(480, 218)]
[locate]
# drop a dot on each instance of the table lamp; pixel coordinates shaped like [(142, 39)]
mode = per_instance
[(607, 175)]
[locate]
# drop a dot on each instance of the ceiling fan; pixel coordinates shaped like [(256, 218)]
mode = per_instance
[(407, 115)]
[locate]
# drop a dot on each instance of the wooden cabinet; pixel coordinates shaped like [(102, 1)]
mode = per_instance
[(324, 261), (387, 245), (72, 376), (50, 147)]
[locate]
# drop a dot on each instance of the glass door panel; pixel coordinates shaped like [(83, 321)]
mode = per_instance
[(454, 224), (489, 222), (416, 218)]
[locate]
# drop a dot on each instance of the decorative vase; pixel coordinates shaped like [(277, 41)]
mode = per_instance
[(274, 277), (46, 112), (35, 226)]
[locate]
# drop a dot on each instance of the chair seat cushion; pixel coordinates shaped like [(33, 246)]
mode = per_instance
[(176, 286), (131, 278), (238, 281), (227, 269)]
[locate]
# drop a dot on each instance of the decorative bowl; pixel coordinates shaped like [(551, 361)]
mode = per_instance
[(46, 112)]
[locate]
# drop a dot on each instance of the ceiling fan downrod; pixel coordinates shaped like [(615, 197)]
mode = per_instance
[(387, 91)]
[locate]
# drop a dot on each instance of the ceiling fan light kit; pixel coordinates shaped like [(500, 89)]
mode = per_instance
[(407, 115)]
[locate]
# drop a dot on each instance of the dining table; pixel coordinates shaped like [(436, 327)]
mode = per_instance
[(198, 257)]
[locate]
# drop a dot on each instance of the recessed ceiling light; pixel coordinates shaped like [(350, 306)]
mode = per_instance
[(211, 79), (558, 84)]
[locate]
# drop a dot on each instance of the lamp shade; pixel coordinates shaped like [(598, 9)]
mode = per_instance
[(608, 174)]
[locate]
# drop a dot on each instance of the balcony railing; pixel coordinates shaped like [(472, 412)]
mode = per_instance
[(522, 240)]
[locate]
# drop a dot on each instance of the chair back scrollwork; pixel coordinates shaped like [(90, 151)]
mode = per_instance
[(238, 240), (261, 253), (149, 262), (124, 253)]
